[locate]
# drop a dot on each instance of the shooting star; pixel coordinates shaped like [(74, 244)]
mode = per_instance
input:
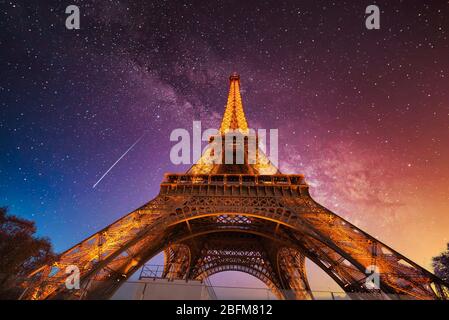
[(129, 149)]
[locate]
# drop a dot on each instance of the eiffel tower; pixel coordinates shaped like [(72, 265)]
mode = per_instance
[(246, 217)]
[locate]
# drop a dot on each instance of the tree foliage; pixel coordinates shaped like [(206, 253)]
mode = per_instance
[(21, 251), (441, 265)]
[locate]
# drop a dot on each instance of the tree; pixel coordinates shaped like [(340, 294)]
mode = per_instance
[(441, 265), (21, 251)]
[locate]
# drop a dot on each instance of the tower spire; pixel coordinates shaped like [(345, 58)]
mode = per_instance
[(234, 117)]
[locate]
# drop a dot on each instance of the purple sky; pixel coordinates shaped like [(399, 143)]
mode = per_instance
[(363, 114)]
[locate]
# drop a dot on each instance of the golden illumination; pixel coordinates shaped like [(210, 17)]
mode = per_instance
[(234, 120), (234, 117)]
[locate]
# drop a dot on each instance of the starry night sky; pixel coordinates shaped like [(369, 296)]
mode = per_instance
[(363, 114)]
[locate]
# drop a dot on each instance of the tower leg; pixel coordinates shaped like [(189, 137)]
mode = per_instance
[(291, 266), (177, 262)]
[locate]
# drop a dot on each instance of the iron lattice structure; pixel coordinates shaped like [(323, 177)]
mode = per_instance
[(242, 216)]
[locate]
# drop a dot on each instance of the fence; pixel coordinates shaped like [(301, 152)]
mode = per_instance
[(151, 284)]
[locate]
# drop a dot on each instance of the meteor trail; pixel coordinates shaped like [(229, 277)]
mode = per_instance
[(129, 149)]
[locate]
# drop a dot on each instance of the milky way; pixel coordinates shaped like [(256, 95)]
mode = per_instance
[(363, 114)]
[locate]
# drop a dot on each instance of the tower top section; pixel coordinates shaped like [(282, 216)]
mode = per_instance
[(234, 116), (234, 76), (234, 133)]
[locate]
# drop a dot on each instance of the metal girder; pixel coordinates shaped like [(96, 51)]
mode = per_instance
[(341, 249)]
